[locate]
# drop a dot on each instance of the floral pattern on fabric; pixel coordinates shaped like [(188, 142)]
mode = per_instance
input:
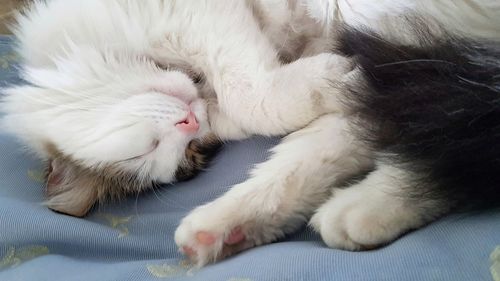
[(36, 175), (184, 268), (8, 59), (495, 264), (16, 256), (118, 223)]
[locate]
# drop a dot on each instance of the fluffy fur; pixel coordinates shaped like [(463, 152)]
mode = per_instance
[(433, 110), (418, 112), (411, 104), (125, 86)]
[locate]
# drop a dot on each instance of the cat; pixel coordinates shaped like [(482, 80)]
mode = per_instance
[(419, 119), (360, 120), (122, 95)]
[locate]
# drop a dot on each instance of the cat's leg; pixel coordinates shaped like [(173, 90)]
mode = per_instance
[(282, 100), (377, 210), (258, 92), (279, 197), (224, 127), (287, 97)]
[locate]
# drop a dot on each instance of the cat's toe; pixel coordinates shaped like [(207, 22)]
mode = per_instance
[(236, 236), (333, 232)]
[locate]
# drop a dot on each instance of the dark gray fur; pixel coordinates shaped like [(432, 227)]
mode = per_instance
[(433, 109)]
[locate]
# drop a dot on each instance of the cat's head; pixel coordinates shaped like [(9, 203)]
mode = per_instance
[(115, 126)]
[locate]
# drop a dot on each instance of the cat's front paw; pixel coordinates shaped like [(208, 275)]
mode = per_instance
[(337, 66), (212, 232), (327, 74)]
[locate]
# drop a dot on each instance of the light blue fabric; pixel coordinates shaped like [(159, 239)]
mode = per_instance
[(133, 240)]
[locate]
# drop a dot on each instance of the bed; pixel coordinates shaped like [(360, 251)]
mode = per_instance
[(133, 239)]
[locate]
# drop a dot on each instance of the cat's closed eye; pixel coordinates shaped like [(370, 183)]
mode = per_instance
[(195, 76)]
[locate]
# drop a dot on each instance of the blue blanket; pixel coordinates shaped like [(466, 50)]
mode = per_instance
[(133, 239)]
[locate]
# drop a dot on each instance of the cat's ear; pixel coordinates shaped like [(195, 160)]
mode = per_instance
[(70, 190)]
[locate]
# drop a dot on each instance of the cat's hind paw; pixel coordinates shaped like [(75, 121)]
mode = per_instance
[(363, 219)]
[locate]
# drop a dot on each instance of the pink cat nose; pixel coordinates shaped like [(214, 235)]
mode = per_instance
[(190, 125)]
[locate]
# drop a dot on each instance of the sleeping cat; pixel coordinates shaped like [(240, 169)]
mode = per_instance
[(417, 111), (119, 91)]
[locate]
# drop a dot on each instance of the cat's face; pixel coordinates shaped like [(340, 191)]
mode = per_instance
[(110, 131)]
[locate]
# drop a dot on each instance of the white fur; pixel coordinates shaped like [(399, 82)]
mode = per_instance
[(372, 212), (284, 191), (470, 17), (97, 95)]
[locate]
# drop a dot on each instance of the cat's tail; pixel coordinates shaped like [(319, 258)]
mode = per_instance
[(433, 108)]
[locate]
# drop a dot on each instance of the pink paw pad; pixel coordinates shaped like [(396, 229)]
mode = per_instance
[(235, 237), (188, 251), (205, 238)]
